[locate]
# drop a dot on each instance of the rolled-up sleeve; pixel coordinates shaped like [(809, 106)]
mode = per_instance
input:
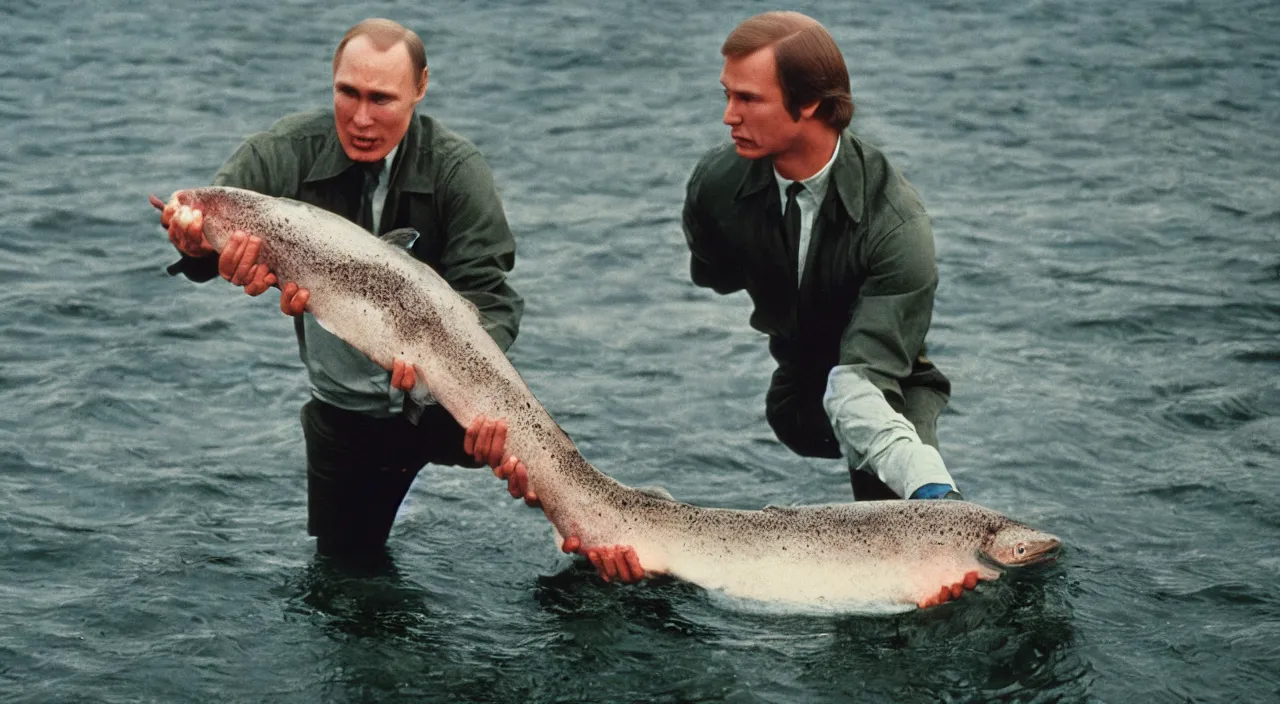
[(864, 399)]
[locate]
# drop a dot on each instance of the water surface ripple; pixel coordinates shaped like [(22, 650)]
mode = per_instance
[(1106, 201)]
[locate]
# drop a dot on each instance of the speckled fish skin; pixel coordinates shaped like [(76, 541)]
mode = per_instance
[(869, 556)]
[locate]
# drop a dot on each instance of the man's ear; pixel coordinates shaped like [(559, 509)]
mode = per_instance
[(807, 111), (422, 84)]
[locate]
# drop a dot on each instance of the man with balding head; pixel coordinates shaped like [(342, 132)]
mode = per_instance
[(374, 160)]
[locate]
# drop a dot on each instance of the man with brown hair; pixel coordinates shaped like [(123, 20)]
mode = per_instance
[(835, 249), (373, 160)]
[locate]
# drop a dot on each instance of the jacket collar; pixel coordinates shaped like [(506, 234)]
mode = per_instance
[(407, 173), (846, 178)]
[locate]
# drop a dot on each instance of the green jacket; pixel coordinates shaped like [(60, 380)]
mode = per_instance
[(866, 295), (440, 186)]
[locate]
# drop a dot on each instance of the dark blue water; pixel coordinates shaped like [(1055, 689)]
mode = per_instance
[(1106, 199)]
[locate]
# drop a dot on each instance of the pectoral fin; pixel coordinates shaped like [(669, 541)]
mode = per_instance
[(403, 237), (418, 398)]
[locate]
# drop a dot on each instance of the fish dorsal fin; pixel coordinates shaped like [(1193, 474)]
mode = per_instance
[(403, 237), (656, 492)]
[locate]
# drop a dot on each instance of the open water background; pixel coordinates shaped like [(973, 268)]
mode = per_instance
[(1106, 199)]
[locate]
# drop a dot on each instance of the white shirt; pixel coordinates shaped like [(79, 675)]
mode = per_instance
[(808, 200)]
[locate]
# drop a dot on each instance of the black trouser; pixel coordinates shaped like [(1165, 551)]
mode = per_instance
[(359, 469), (795, 412)]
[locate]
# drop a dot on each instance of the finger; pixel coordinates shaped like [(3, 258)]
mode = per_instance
[(514, 488), (521, 475), (398, 376), (297, 303), (606, 557), (484, 441), (287, 292), (531, 499), (499, 442), (957, 589), (944, 595), (244, 268), (594, 556), (469, 438), (506, 469), (257, 284), (621, 567), (230, 258), (971, 580), (633, 564), (571, 544), (176, 235)]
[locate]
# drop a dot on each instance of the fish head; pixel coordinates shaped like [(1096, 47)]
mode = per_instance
[(1012, 544)]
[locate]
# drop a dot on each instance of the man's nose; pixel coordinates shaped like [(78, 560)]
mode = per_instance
[(731, 116), (362, 116)]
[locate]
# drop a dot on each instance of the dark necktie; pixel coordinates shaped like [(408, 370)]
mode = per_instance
[(791, 227), (371, 172)]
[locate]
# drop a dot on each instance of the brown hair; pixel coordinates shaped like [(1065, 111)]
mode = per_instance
[(385, 34), (810, 66)]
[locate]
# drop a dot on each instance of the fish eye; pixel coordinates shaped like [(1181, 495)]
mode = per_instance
[(1020, 550)]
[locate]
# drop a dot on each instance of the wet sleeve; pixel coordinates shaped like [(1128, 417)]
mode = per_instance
[(245, 169), (711, 263), (479, 248)]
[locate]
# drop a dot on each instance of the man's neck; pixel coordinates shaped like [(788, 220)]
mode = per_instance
[(808, 155)]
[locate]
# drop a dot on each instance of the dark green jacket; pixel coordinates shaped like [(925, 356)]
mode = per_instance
[(866, 297), (440, 186)]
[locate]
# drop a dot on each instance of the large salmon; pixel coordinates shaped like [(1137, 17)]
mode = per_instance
[(868, 556)]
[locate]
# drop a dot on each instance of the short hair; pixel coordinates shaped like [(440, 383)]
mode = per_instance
[(810, 65), (385, 34)]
